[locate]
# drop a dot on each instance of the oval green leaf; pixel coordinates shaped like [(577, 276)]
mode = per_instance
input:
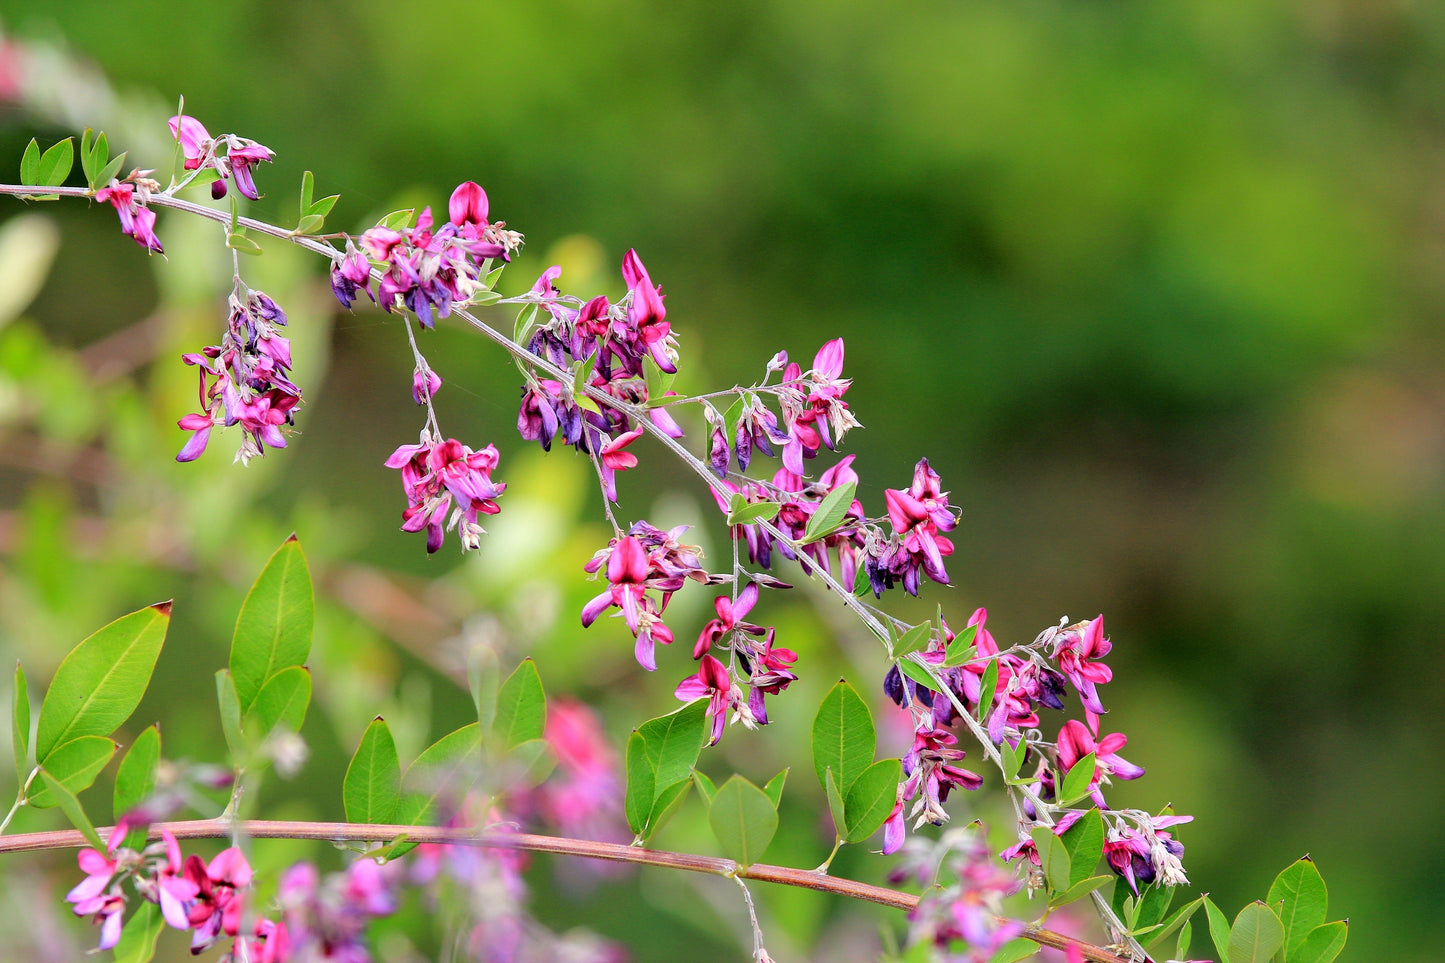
[(281, 701), (273, 630), (446, 768), (843, 736), (870, 799), (1322, 944), (1218, 930), (101, 681), (641, 785), (673, 742), (1302, 891), (371, 789), (138, 939), (1256, 934), (1084, 842), (743, 820), (1077, 780), (521, 707), (830, 512), (135, 779)]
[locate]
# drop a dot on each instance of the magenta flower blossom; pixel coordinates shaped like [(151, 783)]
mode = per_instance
[(425, 383), (646, 317), (350, 274), (646, 559), (136, 221), (1075, 648), (729, 618), (713, 682), (200, 150), (99, 895), (438, 474), (193, 137), (771, 671), (919, 516), (612, 459)]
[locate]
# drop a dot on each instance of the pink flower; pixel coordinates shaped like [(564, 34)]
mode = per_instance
[(713, 682), (1075, 742), (729, 617)]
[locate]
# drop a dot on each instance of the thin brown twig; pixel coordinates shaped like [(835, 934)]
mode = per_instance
[(531, 842)]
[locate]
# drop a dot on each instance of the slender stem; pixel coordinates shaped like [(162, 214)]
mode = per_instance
[(530, 842)]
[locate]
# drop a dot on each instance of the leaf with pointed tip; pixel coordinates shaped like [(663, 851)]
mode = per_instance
[(445, 769), (1077, 780), (774, 788), (1256, 934), (242, 244), (913, 640), (668, 801), (743, 820), (830, 512), (101, 681), (1186, 937), (74, 764), (58, 794), (988, 689), (1013, 757), (751, 512), (1302, 890), (1084, 842), (397, 220), (1322, 944), (1177, 921), (1218, 930), (30, 164), (843, 736), (1078, 891), (371, 788), (1055, 858), (109, 170), (323, 207), (870, 799), (308, 184), (55, 164), (135, 779), (521, 707), (282, 701), (138, 939), (273, 630), (1153, 904), (20, 725), (918, 673), (88, 164), (641, 785)]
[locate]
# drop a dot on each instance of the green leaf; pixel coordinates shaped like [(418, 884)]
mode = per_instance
[(521, 707), (988, 689), (397, 220), (1177, 921), (1186, 937), (668, 801), (371, 789), (88, 165), (1256, 934), (1084, 842), (1079, 890), (870, 799), (961, 650), (1123, 902), (752, 512), (230, 707), (528, 764), (58, 794), (235, 214), (525, 317), (917, 673), (323, 207), (836, 805), (138, 939), (1153, 904), (308, 184), (706, 789), (1055, 858), (55, 165), (1014, 950), (641, 785), (101, 681), (1302, 890), (273, 630), (446, 768), (843, 736), (1077, 780), (674, 741), (135, 779), (743, 820), (731, 417), (483, 679), (99, 156), (109, 170), (309, 224), (1013, 757), (830, 512), (242, 244), (282, 701), (774, 788), (1322, 944), (1218, 930), (30, 164), (913, 640), (20, 725), (74, 764)]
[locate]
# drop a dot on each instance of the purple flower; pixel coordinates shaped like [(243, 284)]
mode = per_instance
[(1074, 649), (1075, 742), (350, 274), (424, 384), (729, 617), (434, 475), (713, 682), (136, 221)]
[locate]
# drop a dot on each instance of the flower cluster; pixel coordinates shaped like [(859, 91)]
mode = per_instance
[(643, 568), (209, 899), (610, 343), (963, 892), (201, 152), (129, 198), (446, 476), (244, 380), (424, 270)]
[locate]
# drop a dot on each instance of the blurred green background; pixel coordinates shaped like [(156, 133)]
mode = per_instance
[(1155, 288)]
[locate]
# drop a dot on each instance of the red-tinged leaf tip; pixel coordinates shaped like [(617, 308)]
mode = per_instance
[(291, 538), (378, 719), (164, 608)]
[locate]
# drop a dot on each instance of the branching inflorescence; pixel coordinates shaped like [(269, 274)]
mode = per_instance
[(596, 376)]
